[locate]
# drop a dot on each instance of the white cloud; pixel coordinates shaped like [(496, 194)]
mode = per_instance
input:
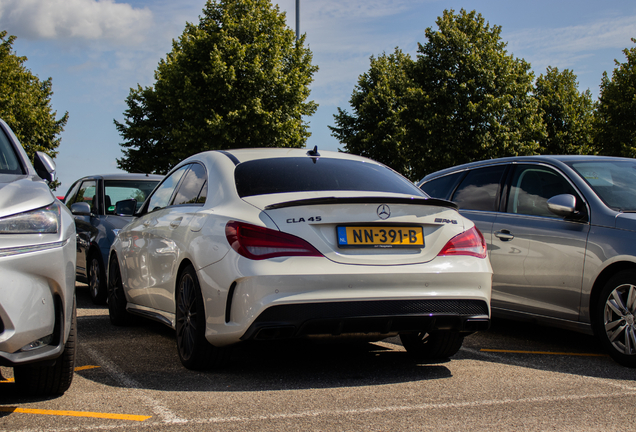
[(105, 20), (573, 41)]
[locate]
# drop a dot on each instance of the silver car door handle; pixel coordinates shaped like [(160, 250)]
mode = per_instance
[(504, 235), (175, 223)]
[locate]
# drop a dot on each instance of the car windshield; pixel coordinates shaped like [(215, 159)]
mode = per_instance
[(613, 181), (119, 190), (9, 163), (304, 174)]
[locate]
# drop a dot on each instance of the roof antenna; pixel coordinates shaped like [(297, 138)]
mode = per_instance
[(314, 152)]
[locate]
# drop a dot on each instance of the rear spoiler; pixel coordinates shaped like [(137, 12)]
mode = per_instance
[(365, 200)]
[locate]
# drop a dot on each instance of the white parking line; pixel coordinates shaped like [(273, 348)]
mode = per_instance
[(165, 414), (364, 411)]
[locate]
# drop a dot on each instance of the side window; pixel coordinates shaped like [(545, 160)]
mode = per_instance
[(441, 187), (70, 195), (531, 188), (9, 163), (479, 189), (191, 190), (87, 193), (162, 195)]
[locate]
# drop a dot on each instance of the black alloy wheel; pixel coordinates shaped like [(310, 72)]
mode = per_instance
[(97, 280), (432, 346), (117, 312), (195, 352)]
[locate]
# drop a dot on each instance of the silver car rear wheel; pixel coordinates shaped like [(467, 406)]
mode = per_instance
[(616, 325)]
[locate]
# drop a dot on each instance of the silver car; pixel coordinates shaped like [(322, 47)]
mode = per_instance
[(37, 273), (561, 235)]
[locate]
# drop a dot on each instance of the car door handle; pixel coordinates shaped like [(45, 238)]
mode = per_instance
[(175, 223), (504, 235)]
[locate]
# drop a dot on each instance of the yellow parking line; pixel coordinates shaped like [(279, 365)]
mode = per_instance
[(543, 352), (80, 368), (75, 414)]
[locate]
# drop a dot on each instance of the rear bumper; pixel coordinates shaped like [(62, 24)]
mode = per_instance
[(368, 317), (305, 296)]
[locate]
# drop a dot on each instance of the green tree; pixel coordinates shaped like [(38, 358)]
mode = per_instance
[(237, 79), (615, 119), (25, 104), (472, 100), (376, 127), (566, 113), (464, 98)]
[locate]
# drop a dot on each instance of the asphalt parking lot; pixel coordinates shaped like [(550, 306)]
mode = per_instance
[(512, 377)]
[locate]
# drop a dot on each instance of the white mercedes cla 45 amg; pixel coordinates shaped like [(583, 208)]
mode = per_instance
[(264, 244)]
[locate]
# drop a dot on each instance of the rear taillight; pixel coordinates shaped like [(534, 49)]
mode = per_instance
[(260, 243), (469, 242)]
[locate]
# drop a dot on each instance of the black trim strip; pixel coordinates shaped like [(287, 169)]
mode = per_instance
[(228, 305), (230, 156), (364, 200)]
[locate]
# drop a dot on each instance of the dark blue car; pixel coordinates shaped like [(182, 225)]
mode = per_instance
[(102, 205)]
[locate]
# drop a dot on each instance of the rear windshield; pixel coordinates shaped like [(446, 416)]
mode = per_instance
[(280, 175)]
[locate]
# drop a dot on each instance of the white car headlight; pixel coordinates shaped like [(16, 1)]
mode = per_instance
[(45, 220)]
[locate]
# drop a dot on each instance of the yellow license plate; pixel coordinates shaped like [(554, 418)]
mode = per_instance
[(380, 236)]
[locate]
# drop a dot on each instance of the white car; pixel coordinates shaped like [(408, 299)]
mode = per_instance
[(261, 244), (37, 273)]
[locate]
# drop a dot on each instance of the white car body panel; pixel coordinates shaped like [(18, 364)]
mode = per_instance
[(153, 249)]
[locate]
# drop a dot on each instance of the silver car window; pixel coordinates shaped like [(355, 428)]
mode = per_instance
[(479, 189), (531, 188)]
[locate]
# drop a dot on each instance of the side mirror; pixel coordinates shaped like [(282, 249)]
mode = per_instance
[(126, 207), (563, 205), (81, 209), (44, 166)]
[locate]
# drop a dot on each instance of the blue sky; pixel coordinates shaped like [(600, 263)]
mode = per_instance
[(96, 50)]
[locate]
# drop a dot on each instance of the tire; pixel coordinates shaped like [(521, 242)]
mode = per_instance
[(48, 379), (97, 280), (615, 322), (195, 352), (432, 346), (117, 312)]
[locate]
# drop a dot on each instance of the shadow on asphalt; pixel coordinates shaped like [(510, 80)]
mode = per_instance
[(545, 348), (146, 354)]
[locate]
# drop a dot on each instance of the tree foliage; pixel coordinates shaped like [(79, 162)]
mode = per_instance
[(238, 78), (376, 129), (464, 98), (472, 99), (566, 113), (615, 120), (25, 103)]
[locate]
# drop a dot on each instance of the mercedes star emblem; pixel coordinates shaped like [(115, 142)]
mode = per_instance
[(384, 211)]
